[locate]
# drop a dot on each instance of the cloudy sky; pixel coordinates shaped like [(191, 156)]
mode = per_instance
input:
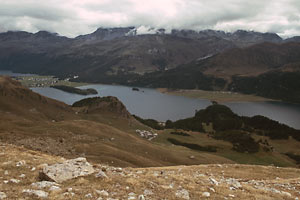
[(75, 17)]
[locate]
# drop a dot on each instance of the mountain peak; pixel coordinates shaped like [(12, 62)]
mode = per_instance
[(45, 34)]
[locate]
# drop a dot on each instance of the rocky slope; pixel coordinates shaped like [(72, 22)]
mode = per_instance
[(20, 169), (113, 51), (106, 51), (269, 70)]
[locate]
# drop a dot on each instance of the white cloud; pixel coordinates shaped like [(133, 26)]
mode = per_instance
[(74, 17)]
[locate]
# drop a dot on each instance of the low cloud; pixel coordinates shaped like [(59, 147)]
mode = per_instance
[(72, 17)]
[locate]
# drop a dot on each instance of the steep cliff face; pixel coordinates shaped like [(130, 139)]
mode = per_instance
[(102, 104)]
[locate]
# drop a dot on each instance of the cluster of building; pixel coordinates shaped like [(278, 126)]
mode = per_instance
[(146, 134)]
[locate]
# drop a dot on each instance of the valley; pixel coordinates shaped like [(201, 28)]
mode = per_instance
[(182, 59), (36, 131), (149, 100), (104, 131)]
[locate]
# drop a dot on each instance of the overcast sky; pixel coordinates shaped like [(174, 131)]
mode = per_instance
[(75, 17)]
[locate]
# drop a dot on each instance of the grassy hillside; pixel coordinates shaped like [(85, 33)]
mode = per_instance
[(172, 182), (102, 130)]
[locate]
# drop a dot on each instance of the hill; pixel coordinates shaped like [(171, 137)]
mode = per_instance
[(102, 130), (105, 133), (268, 70), (20, 169)]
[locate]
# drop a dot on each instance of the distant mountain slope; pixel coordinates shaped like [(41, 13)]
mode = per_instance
[(112, 51), (253, 60), (208, 59), (101, 53), (267, 69)]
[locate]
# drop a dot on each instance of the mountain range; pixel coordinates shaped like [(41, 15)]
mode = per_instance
[(186, 59)]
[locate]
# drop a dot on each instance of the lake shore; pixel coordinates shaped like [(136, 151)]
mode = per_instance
[(46, 81), (218, 96)]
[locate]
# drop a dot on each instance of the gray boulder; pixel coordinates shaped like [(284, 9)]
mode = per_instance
[(67, 170)]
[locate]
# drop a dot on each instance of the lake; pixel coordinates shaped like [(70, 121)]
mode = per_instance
[(150, 103)]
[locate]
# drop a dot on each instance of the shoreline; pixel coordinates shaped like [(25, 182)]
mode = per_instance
[(218, 96)]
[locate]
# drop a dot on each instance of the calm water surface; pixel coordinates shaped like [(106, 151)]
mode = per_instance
[(149, 103)]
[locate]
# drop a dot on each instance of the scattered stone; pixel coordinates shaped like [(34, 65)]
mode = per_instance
[(212, 189), (89, 195), (206, 194), (67, 170), (21, 163), (119, 169), (70, 189), (192, 157), (54, 188), (5, 182), (131, 196), (141, 197), (183, 193), (232, 188), (233, 182), (148, 192), (101, 174), (213, 181), (231, 195), (37, 193), (44, 184), (33, 169), (22, 176), (14, 180), (155, 173), (6, 172), (2, 195), (69, 194), (102, 192)]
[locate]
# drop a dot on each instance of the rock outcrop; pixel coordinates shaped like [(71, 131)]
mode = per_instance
[(67, 170), (102, 104)]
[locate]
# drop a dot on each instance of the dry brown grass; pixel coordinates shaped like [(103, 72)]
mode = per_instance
[(256, 182), (219, 96)]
